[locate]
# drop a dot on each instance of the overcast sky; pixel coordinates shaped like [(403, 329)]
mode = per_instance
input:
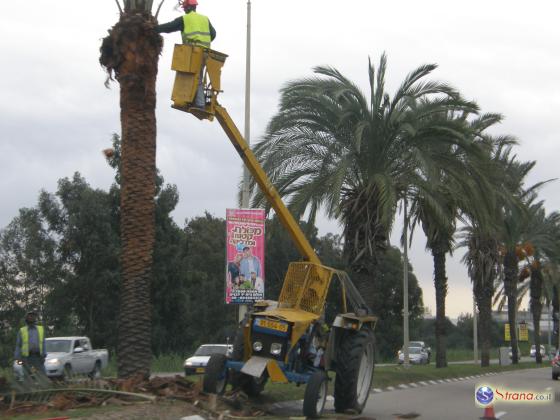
[(56, 116)]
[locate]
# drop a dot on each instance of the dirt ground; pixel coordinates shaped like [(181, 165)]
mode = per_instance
[(134, 398), (164, 410)]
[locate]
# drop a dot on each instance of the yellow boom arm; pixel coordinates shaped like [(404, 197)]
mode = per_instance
[(187, 62)]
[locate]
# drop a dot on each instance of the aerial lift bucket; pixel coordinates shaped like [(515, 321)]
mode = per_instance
[(191, 63)]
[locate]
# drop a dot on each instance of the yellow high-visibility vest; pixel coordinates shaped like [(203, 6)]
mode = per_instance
[(196, 30), (24, 333)]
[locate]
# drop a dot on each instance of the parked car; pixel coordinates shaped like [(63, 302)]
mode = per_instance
[(67, 356), (533, 352), (556, 366), (422, 345), (416, 355), (198, 361)]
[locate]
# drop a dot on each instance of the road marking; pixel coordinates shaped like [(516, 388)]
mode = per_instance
[(423, 383), (390, 388), (413, 385), (377, 390), (403, 386), (500, 414), (433, 382)]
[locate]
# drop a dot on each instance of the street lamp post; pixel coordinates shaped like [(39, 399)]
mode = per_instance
[(405, 289), (245, 188), (245, 191)]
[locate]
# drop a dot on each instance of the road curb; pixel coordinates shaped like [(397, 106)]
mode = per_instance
[(429, 382)]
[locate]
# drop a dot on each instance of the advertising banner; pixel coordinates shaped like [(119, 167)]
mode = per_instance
[(523, 331), (245, 255)]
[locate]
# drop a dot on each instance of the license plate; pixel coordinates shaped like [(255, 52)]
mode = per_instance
[(273, 325), (199, 370)]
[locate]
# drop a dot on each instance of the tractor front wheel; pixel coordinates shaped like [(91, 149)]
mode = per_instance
[(315, 394), (216, 375)]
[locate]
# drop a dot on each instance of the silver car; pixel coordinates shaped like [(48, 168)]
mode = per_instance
[(416, 355)]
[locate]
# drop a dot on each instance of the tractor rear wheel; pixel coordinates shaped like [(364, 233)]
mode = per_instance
[(354, 370)]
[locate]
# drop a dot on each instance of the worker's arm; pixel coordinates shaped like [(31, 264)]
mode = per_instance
[(178, 24), (212, 31), (173, 26), (17, 353)]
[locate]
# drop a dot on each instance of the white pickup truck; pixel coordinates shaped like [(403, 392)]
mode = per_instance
[(68, 356)]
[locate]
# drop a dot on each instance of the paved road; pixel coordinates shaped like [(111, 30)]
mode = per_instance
[(468, 362), (455, 400)]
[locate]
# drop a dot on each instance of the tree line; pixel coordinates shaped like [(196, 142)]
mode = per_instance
[(362, 155), (62, 258)]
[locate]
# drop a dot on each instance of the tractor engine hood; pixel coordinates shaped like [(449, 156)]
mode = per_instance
[(299, 319)]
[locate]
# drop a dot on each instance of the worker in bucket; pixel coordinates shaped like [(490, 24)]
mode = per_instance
[(195, 29), (30, 345)]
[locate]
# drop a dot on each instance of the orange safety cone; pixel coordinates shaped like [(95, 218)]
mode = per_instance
[(489, 413)]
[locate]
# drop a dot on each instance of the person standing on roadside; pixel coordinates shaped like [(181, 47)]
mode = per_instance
[(30, 344)]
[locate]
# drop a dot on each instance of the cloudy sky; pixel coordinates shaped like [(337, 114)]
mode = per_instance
[(56, 116)]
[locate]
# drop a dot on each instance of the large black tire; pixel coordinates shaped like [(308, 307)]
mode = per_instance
[(253, 386), (354, 370), (315, 394), (248, 384), (554, 376), (216, 375)]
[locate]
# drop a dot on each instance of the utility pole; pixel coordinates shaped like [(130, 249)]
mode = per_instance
[(246, 175), (405, 290), (549, 328), (475, 331)]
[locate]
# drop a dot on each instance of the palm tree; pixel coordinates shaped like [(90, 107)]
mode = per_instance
[(482, 218), (541, 250), (130, 52), (482, 262), (331, 146), (551, 283), (456, 185), (515, 232)]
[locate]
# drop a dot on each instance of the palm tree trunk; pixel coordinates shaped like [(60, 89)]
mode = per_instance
[(556, 321), (483, 292), (483, 256), (131, 51), (362, 245), (510, 284), (536, 308), (440, 283)]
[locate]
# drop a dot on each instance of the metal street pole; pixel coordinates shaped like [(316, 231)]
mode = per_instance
[(475, 332), (245, 190), (405, 290), (246, 175), (549, 328)]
